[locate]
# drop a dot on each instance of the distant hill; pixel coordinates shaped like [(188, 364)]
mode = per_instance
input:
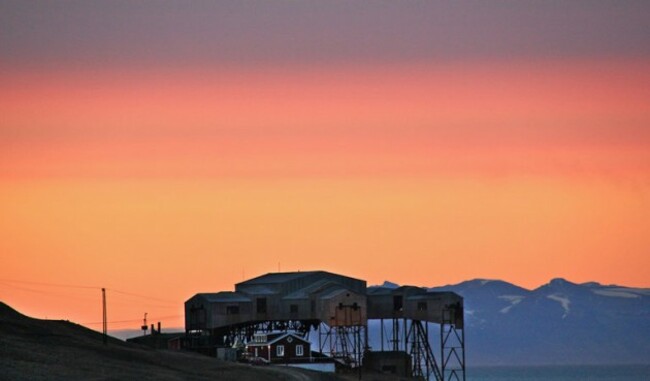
[(33, 349), (558, 323)]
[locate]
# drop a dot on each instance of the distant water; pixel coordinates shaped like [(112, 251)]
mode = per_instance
[(560, 373)]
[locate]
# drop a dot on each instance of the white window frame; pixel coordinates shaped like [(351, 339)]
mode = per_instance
[(300, 351), (279, 351)]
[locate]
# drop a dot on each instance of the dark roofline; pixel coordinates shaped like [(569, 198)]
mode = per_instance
[(230, 296), (281, 277), (278, 338), (278, 277)]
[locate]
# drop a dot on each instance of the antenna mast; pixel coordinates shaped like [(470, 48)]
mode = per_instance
[(144, 325)]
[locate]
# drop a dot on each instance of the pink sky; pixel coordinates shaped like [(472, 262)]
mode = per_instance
[(162, 174)]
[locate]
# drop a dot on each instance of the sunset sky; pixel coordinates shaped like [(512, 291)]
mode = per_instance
[(160, 148)]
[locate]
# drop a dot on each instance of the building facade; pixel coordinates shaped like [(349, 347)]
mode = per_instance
[(336, 308), (279, 348)]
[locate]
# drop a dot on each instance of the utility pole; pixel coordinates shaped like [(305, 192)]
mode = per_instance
[(104, 322)]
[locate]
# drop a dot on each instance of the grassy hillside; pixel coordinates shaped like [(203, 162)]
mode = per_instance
[(33, 349)]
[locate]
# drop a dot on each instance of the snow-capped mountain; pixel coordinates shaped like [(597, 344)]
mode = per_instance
[(558, 323)]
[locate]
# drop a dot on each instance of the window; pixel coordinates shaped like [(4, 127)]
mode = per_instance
[(279, 351), (397, 303), (261, 305), (232, 310), (299, 350), (422, 306), (293, 308), (197, 316)]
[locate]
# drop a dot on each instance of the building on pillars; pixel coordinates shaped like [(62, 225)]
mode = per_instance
[(336, 308), (278, 348)]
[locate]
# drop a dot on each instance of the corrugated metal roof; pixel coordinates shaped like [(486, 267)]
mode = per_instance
[(411, 289), (225, 296), (379, 290), (333, 291), (402, 290), (278, 277), (260, 290), (423, 296), (317, 286)]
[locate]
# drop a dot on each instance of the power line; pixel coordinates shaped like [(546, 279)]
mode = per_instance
[(77, 297), (166, 303), (110, 322), (49, 284), (86, 298), (141, 296), (6, 281), (132, 320)]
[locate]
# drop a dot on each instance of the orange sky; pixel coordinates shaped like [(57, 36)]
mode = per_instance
[(167, 182)]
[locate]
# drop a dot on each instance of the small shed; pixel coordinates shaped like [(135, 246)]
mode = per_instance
[(171, 341), (279, 348), (397, 363)]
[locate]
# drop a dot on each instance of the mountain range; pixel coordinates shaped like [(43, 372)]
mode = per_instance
[(556, 324)]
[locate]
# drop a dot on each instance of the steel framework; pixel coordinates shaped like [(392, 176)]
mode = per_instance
[(452, 346), (243, 333), (412, 337), (345, 344), (337, 309)]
